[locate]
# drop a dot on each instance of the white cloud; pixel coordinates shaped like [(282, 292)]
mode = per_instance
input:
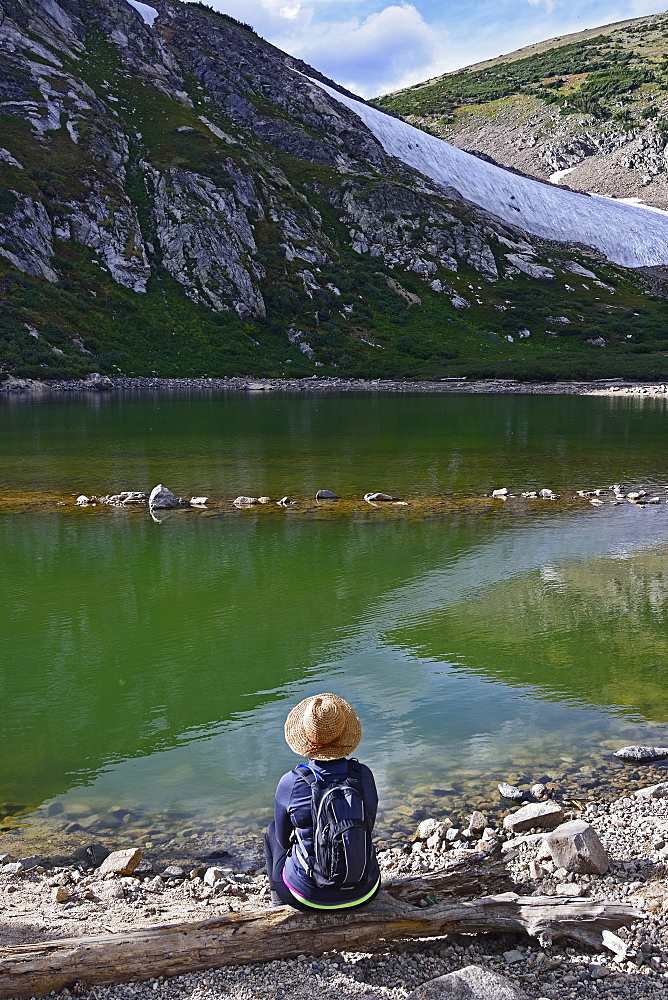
[(385, 50), (372, 46)]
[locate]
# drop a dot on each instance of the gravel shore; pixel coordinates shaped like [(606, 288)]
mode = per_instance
[(12, 386), (634, 831)]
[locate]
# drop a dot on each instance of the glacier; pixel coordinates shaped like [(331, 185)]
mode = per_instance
[(630, 235)]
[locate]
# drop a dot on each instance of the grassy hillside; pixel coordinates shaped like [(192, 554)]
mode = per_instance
[(614, 72)]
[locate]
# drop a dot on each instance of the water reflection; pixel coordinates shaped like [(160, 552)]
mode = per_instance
[(152, 664)]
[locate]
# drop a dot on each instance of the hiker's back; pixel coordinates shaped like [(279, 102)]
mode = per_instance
[(332, 807)]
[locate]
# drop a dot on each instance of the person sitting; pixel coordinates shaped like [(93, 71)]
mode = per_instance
[(318, 847)]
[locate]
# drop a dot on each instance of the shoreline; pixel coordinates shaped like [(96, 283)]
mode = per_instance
[(42, 903), (12, 387)]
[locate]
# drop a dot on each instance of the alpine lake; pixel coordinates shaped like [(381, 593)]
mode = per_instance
[(148, 664)]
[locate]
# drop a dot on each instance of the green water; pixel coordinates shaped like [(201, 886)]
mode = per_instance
[(150, 665)]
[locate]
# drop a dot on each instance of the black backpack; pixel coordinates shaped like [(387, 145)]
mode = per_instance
[(342, 847)]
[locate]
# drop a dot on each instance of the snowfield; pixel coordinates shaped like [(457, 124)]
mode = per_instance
[(627, 234), (148, 14)]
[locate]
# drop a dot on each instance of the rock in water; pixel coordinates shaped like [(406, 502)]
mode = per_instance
[(470, 983), (162, 498), (326, 495), (576, 847), (198, 501), (541, 815), (246, 501), (511, 792), (375, 497), (642, 755)]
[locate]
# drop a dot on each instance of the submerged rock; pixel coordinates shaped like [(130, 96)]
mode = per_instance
[(642, 755), (374, 497), (326, 495)]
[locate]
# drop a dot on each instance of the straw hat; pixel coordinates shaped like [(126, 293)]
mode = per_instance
[(323, 727)]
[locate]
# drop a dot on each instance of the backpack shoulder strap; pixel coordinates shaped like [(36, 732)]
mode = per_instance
[(308, 774), (354, 768)]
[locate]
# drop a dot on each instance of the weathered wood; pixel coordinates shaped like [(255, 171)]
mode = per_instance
[(479, 874), (266, 935)]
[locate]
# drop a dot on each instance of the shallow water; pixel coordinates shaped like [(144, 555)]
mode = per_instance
[(147, 667)]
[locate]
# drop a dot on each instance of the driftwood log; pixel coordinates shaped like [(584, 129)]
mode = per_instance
[(265, 935)]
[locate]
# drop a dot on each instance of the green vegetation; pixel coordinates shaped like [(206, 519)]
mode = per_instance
[(474, 87), (588, 75)]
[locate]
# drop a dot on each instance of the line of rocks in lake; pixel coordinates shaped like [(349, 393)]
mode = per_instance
[(96, 383), (604, 850), (160, 498)]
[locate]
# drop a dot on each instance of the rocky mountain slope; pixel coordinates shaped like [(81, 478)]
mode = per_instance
[(588, 110), (179, 197)]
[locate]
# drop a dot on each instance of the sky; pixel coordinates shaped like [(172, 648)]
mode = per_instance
[(373, 47)]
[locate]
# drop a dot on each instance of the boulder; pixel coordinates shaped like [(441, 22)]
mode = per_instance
[(576, 847), (470, 983), (500, 493), (642, 755), (213, 875), (285, 502), (82, 501), (162, 498), (659, 791), (27, 864), (541, 792), (174, 871), (541, 815), (121, 862), (198, 501), (326, 495), (477, 823), (246, 501), (428, 827), (376, 497)]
